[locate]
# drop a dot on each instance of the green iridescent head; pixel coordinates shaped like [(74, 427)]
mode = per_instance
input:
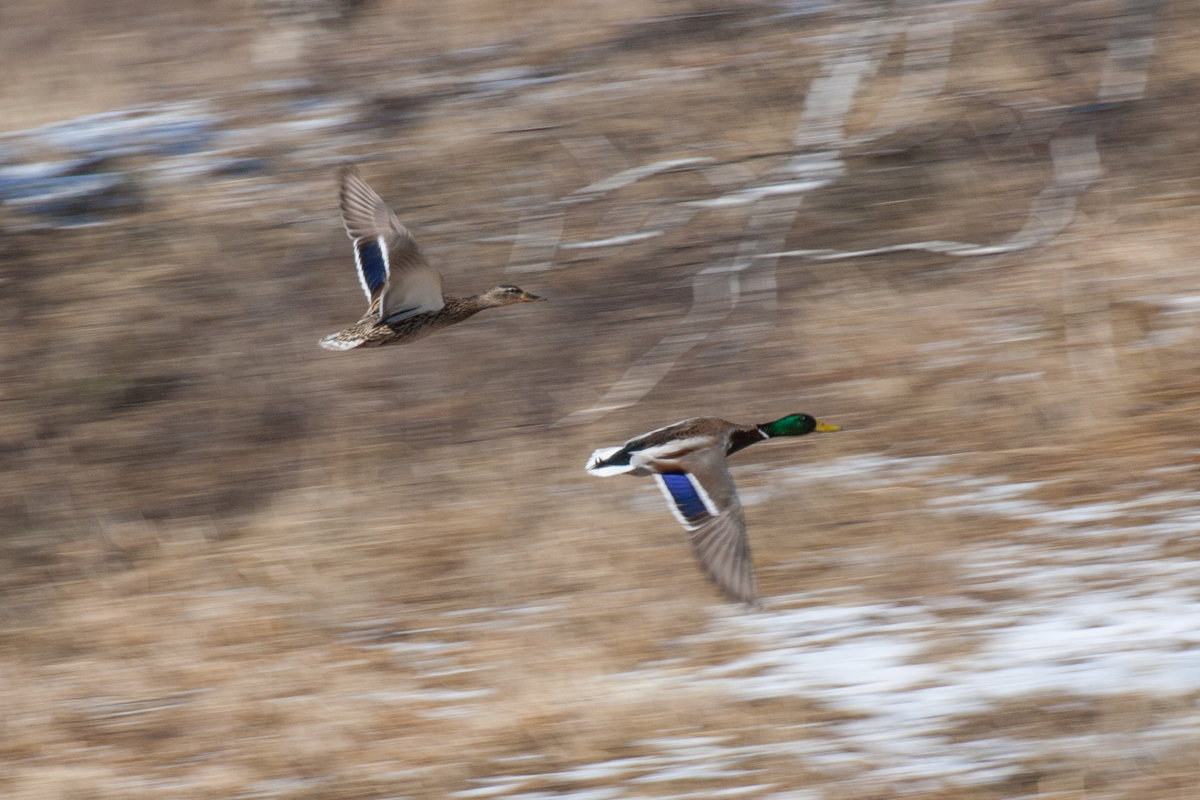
[(796, 425)]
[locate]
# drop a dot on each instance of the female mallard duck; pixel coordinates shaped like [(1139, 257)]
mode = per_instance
[(687, 460), (404, 293)]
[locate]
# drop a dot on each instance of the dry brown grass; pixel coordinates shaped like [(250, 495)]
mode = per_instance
[(232, 562)]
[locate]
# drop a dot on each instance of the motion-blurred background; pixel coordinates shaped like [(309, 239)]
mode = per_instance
[(235, 565)]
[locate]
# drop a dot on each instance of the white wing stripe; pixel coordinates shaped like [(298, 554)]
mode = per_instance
[(704, 498), (387, 273), (362, 278)]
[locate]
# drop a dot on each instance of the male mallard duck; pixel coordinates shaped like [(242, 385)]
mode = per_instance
[(404, 293), (687, 460)]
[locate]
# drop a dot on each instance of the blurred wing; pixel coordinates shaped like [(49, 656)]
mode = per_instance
[(723, 549), (396, 278), (705, 502)]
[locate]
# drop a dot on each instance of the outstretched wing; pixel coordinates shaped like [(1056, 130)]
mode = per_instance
[(704, 500), (395, 276)]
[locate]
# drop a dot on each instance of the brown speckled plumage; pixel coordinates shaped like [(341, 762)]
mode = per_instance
[(404, 294), (370, 331)]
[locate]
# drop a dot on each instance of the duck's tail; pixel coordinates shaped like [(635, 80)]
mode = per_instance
[(340, 341), (599, 465)]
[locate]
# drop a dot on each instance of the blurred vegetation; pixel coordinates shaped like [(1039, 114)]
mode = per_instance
[(207, 522)]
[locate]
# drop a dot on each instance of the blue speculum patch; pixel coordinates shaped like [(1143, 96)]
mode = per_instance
[(374, 268), (686, 498)]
